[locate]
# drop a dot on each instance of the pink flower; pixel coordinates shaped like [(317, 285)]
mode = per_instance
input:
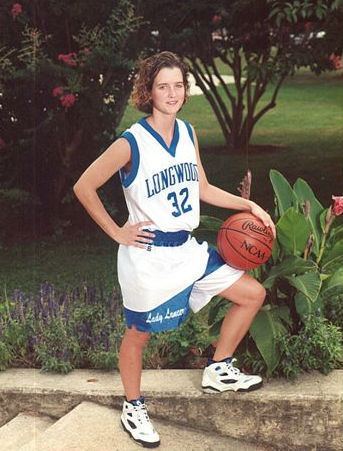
[(2, 144), (68, 100), (68, 58), (337, 205), (57, 91), (16, 10), (336, 61)]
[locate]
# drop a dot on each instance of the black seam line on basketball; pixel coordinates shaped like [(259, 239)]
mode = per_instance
[(243, 257), (244, 233)]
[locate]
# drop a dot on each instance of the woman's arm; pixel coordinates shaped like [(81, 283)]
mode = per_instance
[(114, 158), (215, 196)]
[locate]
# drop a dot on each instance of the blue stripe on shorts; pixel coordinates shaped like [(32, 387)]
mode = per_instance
[(172, 313), (167, 316), (214, 261)]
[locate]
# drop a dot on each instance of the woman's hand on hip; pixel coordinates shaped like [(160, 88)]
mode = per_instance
[(134, 235)]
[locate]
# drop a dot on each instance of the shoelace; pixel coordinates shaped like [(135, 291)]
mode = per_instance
[(142, 413), (232, 368)]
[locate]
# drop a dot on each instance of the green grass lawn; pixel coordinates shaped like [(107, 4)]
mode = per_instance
[(306, 126)]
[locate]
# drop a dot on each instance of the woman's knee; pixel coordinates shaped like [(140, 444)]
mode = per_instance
[(258, 295)]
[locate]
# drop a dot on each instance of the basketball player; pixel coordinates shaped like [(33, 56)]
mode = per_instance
[(164, 272)]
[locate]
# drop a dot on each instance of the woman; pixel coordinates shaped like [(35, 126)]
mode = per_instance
[(164, 272)]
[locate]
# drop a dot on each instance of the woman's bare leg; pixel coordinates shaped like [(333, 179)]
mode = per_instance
[(130, 361), (248, 295)]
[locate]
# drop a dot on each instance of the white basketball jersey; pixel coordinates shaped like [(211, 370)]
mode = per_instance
[(162, 185), (160, 283)]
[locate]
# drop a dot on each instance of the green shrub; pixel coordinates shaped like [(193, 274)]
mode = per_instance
[(318, 346), (181, 347), (5, 356), (333, 310), (60, 331)]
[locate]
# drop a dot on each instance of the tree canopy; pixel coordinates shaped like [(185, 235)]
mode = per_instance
[(260, 42)]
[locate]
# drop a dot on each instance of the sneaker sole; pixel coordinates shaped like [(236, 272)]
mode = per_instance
[(210, 390), (141, 442)]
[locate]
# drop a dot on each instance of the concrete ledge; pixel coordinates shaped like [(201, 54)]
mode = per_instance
[(302, 415)]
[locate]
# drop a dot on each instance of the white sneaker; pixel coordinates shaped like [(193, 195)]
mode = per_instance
[(137, 424), (223, 376)]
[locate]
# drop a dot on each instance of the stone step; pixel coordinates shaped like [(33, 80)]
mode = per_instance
[(22, 429), (92, 427), (303, 415)]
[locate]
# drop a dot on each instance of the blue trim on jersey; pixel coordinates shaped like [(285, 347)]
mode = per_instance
[(190, 130), (172, 149), (214, 261), (167, 316), (128, 177)]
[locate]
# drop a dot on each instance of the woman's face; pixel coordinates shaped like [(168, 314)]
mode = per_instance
[(168, 90)]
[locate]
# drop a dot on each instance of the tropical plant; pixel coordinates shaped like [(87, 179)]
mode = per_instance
[(305, 268)]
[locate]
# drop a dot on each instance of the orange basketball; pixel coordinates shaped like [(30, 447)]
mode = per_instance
[(244, 242)]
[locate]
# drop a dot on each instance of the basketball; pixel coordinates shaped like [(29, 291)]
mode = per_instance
[(244, 242)]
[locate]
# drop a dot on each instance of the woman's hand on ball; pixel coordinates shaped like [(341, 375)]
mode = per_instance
[(261, 214)]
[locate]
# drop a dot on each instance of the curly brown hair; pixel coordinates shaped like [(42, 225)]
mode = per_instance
[(148, 69)]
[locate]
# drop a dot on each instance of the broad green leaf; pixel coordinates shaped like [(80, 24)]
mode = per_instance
[(334, 284), (293, 231), (333, 257), (305, 307), (324, 276), (284, 314), (289, 266), (309, 284), (304, 193), (210, 223), (302, 304), (265, 330), (336, 233), (275, 251), (284, 193)]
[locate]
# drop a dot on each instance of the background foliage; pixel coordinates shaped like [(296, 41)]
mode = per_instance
[(66, 75)]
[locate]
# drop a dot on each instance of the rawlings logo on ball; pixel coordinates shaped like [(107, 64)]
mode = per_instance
[(265, 231)]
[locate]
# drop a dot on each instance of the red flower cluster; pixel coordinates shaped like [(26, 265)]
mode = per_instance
[(337, 205), (57, 91), (68, 100), (16, 10), (336, 61), (68, 59)]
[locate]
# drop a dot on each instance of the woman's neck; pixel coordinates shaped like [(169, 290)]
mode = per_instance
[(164, 124)]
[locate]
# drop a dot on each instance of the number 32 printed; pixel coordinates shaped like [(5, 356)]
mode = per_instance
[(179, 202)]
